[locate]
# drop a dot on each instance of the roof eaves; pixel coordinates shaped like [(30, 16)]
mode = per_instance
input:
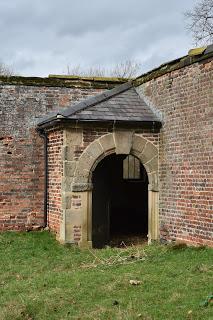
[(56, 117), (146, 123)]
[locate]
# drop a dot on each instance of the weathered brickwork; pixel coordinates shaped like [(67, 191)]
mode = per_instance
[(184, 99), (22, 151), (55, 172), (21, 186), (65, 147)]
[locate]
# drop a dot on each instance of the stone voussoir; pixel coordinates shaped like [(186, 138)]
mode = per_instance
[(95, 149), (138, 144), (107, 142), (84, 164), (152, 165), (149, 152), (123, 141)]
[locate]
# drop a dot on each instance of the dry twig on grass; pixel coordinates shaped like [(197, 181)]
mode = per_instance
[(123, 257)]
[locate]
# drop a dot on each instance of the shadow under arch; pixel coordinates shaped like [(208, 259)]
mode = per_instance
[(119, 201)]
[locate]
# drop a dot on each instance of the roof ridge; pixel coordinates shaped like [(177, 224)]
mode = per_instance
[(89, 102)]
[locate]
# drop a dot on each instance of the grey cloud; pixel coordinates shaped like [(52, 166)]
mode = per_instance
[(41, 37)]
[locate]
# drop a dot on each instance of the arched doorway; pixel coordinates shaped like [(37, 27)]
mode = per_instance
[(76, 224), (119, 200)]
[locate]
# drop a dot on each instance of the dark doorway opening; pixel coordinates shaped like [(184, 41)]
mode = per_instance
[(119, 201)]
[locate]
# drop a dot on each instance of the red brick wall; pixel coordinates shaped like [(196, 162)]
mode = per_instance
[(184, 98), (21, 149), (55, 172), (21, 181), (55, 165)]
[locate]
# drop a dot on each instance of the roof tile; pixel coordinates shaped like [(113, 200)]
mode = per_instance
[(121, 103), (124, 106)]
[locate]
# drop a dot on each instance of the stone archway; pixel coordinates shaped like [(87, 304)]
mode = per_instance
[(118, 142)]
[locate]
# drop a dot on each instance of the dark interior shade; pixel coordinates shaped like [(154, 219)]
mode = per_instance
[(120, 201)]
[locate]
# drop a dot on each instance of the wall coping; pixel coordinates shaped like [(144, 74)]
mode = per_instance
[(194, 56), (72, 81), (64, 81)]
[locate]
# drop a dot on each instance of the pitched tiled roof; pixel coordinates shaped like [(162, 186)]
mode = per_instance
[(121, 104)]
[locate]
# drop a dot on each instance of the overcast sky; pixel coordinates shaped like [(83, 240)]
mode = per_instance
[(40, 37)]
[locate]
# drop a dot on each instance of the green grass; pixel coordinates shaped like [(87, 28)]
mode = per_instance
[(41, 279)]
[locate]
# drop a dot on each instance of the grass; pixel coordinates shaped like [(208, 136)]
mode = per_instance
[(41, 279)]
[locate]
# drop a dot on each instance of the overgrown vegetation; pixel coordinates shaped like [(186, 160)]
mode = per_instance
[(41, 279)]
